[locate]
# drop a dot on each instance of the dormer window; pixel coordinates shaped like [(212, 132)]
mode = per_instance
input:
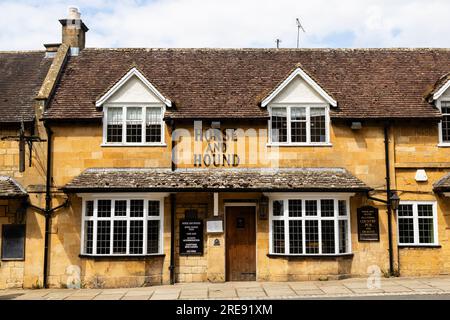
[(134, 125), (299, 112), (133, 112), (299, 124), (445, 124)]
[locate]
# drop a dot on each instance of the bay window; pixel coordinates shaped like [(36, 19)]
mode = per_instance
[(299, 125), (122, 226), (134, 125), (417, 223), (310, 226)]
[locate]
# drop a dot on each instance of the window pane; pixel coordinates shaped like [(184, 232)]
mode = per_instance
[(136, 236), (311, 208), (153, 208), (88, 237), (327, 208), (298, 124), (342, 207), (120, 209), (312, 236), (318, 132), (153, 125), (405, 210), (406, 230), (104, 208), (103, 237), (295, 208), (279, 125), (153, 236), (295, 237), (278, 236), (328, 245), (426, 231), (343, 236), (136, 208), (120, 237), (134, 124), (89, 208), (114, 125), (278, 210), (425, 210)]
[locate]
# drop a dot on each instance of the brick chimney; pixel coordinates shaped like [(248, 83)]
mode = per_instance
[(74, 31)]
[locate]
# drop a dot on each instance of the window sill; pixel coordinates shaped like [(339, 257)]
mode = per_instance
[(121, 257), (12, 259), (290, 145), (308, 256), (108, 145), (419, 246), (444, 145)]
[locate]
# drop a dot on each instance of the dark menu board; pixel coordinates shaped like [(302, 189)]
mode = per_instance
[(191, 237), (368, 227)]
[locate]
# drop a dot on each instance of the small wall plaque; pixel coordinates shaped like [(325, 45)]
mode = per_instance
[(214, 226)]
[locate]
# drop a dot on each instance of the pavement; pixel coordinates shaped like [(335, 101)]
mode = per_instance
[(354, 288)]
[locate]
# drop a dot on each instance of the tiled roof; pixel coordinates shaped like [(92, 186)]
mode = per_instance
[(443, 185), (10, 188), (21, 75), (164, 180), (230, 83)]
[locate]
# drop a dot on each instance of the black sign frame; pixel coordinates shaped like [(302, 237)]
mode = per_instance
[(191, 230), (368, 224)]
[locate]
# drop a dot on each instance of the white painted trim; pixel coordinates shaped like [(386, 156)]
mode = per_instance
[(415, 218), (216, 204), (308, 142), (308, 80), (125, 78), (285, 197), (145, 197), (441, 91), (442, 143), (124, 107)]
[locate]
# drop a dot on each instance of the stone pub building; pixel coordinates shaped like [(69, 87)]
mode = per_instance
[(132, 167)]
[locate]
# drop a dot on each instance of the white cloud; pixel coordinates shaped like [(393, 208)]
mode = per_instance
[(27, 24)]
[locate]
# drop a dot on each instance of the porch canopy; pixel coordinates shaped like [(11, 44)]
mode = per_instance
[(443, 185), (11, 189), (216, 180)]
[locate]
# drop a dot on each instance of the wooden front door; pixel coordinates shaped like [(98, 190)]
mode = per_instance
[(240, 244)]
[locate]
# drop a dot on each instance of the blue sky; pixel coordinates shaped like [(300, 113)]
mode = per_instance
[(27, 24)]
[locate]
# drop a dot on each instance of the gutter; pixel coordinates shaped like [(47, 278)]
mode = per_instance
[(388, 196), (173, 203)]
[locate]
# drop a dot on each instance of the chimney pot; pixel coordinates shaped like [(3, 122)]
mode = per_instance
[(74, 13)]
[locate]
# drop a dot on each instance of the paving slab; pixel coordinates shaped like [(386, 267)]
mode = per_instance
[(303, 286), (139, 292), (108, 297), (194, 294), (271, 292), (222, 293), (313, 292), (252, 293), (169, 296), (330, 289), (141, 297)]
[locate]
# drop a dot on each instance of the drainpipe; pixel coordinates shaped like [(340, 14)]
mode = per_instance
[(388, 197), (48, 204), (172, 213)]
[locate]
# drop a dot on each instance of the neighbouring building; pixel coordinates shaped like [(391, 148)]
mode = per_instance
[(132, 167)]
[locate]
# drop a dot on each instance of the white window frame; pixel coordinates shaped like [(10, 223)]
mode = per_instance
[(304, 197), (128, 197), (124, 107), (308, 142), (442, 143), (415, 218)]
